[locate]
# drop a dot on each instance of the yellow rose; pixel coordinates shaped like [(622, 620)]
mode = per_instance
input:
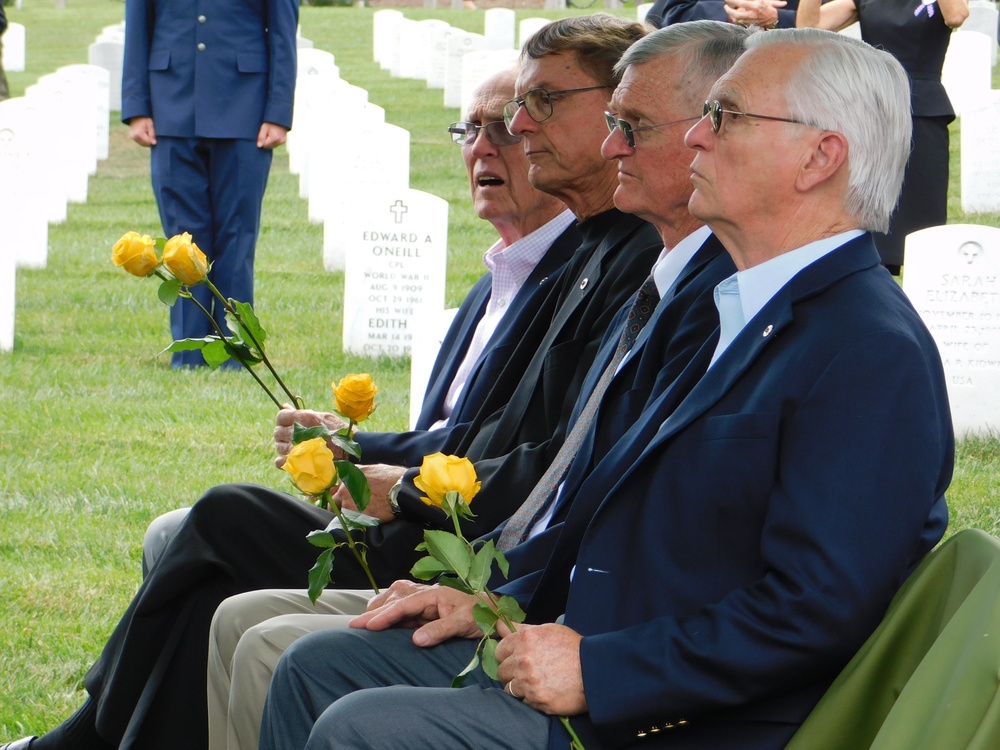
[(185, 260), (311, 465), (135, 253), (354, 396), (440, 474)]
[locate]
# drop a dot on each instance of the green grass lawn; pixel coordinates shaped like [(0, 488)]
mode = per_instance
[(98, 435)]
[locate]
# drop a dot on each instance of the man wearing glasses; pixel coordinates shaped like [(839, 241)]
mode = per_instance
[(734, 549)]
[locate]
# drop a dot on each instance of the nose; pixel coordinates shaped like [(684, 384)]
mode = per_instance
[(615, 147), (700, 135), (482, 146), (521, 123)]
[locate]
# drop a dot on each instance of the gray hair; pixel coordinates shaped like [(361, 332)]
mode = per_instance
[(850, 87), (709, 47), (598, 41)]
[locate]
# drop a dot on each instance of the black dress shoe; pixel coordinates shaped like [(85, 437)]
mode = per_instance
[(22, 744)]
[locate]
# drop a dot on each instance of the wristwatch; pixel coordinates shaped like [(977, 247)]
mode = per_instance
[(393, 498)]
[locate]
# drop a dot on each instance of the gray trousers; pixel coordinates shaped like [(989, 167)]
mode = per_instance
[(249, 634), (362, 689)]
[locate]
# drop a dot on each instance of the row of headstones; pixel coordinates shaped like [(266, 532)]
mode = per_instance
[(50, 142)]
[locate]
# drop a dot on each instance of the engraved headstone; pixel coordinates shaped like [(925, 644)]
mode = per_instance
[(499, 28), (980, 154), (97, 80), (51, 202), (110, 56), (428, 334), (967, 71), (384, 35), (24, 228), (401, 31), (14, 41), (8, 298), (952, 276), (437, 69), (459, 45), (983, 17), (395, 269)]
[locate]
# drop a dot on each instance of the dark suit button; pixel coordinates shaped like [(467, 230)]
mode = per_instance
[(201, 46), (202, 19)]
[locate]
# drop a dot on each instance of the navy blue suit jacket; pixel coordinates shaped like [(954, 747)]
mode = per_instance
[(210, 68), (746, 535), (513, 333)]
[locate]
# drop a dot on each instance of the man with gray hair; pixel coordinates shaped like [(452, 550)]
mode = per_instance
[(725, 559)]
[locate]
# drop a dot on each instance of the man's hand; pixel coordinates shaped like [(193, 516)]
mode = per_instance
[(541, 665), (761, 12), (381, 478), (271, 135), (437, 612), (141, 130), (285, 428)]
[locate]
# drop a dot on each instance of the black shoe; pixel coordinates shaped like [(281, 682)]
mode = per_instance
[(22, 744)]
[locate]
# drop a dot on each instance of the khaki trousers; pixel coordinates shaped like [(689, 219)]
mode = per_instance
[(249, 634)]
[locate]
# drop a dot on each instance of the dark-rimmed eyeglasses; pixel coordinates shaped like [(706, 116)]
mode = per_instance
[(715, 112), (465, 133), (629, 130), (538, 103)]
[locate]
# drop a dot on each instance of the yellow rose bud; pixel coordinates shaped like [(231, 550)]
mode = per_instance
[(440, 474), (135, 253), (311, 465), (185, 260), (354, 396)]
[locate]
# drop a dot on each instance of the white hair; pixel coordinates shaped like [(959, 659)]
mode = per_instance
[(848, 86)]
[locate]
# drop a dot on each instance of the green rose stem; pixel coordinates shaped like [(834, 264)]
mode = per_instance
[(359, 555), (188, 295), (452, 500)]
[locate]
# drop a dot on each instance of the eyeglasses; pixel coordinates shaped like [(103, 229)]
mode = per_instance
[(715, 112), (465, 133), (628, 130), (538, 103)]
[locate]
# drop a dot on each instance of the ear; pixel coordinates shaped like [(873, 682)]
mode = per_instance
[(824, 162)]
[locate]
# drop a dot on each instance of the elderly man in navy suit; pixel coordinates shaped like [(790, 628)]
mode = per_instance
[(708, 578), (208, 86)]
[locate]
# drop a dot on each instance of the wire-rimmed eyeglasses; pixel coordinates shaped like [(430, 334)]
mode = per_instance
[(538, 103), (715, 112), (628, 130), (465, 133)]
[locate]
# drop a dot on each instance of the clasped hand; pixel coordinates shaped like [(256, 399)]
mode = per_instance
[(541, 662), (761, 12)]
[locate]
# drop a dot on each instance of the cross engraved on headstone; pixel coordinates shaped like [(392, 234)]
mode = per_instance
[(398, 209)]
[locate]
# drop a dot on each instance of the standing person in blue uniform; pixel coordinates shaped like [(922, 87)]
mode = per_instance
[(208, 87), (764, 13), (917, 33), (725, 559)]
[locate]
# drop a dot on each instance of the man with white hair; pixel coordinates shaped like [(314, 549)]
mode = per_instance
[(721, 564)]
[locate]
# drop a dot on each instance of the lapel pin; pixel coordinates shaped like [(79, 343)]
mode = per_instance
[(583, 284), (767, 331)]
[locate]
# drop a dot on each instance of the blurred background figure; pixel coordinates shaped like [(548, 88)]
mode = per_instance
[(764, 13), (917, 33)]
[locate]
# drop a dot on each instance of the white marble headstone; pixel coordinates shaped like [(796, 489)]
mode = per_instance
[(528, 27), (983, 18), (384, 35), (110, 56), (428, 334), (97, 80), (967, 70), (459, 45), (499, 28), (14, 48), (395, 269), (24, 228), (641, 11), (952, 276), (980, 154), (437, 69), (415, 48), (8, 300), (51, 202)]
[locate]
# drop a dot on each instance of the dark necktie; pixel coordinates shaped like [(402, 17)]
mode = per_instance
[(516, 530)]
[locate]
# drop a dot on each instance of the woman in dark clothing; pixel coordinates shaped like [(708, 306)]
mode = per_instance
[(915, 32)]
